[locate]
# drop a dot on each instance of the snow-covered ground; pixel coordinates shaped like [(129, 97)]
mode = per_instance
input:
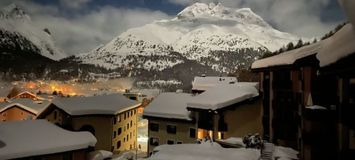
[(203, 151)]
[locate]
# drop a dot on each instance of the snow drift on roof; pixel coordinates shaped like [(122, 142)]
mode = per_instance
[(338, 46), (204, 83), (222, 96), (39, 137), (287, 58), (169, 105), (101, 104)]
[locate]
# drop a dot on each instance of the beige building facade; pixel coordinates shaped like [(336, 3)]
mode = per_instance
[(169, 131)]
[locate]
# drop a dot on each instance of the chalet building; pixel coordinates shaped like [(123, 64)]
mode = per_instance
[(112, 119), (230, 110), (43, 141), (169, 121), (309, 96), (201, 84), (28, 95), (21, 109)]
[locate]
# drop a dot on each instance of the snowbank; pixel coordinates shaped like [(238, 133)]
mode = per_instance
[(39, 137), (99, 155)]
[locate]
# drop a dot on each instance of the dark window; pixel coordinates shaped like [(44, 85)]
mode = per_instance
[(114, 120), (131, 123), (154, 141), (124, 139), (130, 146), (131, 113), (179, 142), (127, 137), (154, 127), (119, 131), (171, 129), (192, 132), (135, 111), (170, 142), (127, 125), (119, 118), (55, 114), (118, 144), (128, 114), (124, 115), (114, 134)]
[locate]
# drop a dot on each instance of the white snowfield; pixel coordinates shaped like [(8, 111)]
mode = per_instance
[(204, 83), (222, 96), (15, 20), (100, 104), (203, 151), (194, 32), (169, 105), (213, 151), (38, 137)]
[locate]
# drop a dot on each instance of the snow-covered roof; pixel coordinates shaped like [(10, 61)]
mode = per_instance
[(169, 105), (35, 107), (338, 46), (204, 83), (38, 137), (222, 96), (205, 150), (287, 58), (101, 104)]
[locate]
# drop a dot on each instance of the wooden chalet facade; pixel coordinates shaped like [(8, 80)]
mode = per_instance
[(309, 104)]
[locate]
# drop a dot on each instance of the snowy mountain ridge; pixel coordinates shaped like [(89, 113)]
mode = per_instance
[(196, 33), (16, 26)]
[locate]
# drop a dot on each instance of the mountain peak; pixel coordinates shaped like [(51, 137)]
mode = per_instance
[(218, 11), (13, 11)]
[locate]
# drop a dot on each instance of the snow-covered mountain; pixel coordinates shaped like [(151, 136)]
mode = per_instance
[(19, 34), (202, 32)]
